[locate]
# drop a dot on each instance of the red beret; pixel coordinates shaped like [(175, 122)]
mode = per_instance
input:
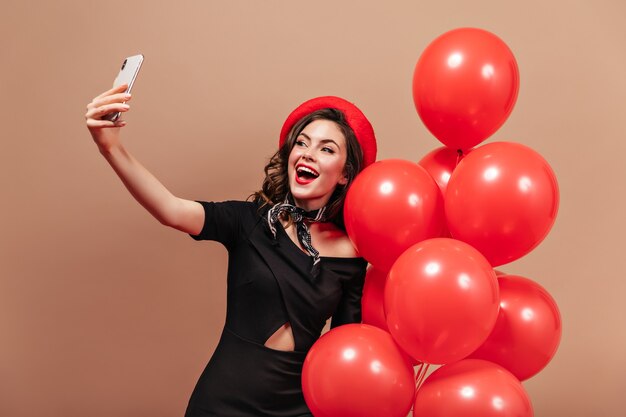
[(355, 118)]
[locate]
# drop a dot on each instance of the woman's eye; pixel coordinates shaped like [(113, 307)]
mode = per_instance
[(300, 143), (327, 149)]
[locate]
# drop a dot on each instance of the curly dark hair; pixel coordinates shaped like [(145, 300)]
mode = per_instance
[(276, 183)]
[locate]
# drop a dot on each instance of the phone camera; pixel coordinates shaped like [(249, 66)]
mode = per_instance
[(124, 64)]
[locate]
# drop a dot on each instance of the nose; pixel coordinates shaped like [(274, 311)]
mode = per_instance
[(308, 155)]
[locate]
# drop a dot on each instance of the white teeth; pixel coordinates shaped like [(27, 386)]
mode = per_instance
[(308, 170)]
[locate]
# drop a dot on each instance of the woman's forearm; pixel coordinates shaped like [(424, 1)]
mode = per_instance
[(184, 215)]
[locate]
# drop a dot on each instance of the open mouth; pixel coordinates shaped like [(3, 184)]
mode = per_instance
[(305, 174)]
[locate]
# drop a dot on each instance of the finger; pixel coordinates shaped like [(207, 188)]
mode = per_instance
[(105, 123), (120, 88), (114, 98), (98, 112), (100, 123)]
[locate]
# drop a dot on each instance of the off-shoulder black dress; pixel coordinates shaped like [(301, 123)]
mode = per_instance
[(269, 284)]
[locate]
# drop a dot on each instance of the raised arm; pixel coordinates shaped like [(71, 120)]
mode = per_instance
[(184, 215)]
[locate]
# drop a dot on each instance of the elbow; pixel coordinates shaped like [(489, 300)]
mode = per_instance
[(181, 216), (165, 221), (169, 219), (166, 216), (175, 220)]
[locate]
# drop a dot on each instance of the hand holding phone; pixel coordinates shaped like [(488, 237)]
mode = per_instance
[(127, 75)]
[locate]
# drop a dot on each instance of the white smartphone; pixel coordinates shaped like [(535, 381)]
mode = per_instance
[(127, 75)]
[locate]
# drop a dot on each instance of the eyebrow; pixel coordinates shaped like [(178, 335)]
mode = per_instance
[(322, 140)]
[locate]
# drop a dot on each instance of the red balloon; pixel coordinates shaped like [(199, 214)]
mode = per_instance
[(502, 199), (528, 330), (372, 308), (391, 205), (441, 300), (372, 302), (465, 85), (471, 388), (357, 370), (440, 162)]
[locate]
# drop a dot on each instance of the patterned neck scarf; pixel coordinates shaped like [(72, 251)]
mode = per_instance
[(298, 216)]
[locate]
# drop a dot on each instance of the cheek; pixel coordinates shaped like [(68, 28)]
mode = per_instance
[(337, 168), (290, 163), (290, 170), (294, 155)]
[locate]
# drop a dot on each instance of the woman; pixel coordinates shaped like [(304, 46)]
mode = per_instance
[(291, 265)]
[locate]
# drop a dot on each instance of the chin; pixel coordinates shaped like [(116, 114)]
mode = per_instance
[(301, 196), (308, 193)]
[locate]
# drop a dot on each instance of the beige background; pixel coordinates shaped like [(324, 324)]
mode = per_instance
[(103, 312)]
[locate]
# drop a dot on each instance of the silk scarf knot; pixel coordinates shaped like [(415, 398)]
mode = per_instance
[(298, 216)]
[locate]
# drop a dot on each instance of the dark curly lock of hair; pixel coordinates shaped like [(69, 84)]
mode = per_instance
[(276, 183)]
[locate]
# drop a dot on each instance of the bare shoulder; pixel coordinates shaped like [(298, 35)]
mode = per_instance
[(332, 241)]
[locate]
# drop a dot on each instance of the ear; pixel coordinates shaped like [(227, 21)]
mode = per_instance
[(343, 180)]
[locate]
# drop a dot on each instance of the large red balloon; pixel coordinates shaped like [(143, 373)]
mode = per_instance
[(373, 311), (472, 388), (391, 205), (502, 199), (528, 330), (357, 370), (441, 300), (465, 85)]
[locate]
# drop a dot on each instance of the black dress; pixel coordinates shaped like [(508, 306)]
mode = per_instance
[(269, 284)]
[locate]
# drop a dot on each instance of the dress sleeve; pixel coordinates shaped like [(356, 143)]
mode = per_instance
[(223, 222), (349, 308)]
